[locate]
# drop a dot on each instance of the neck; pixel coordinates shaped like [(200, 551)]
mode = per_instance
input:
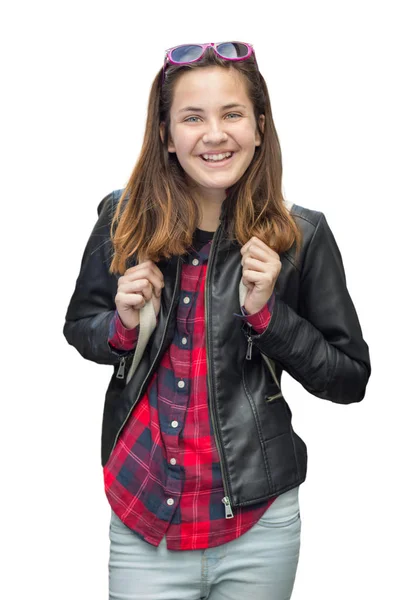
[(210, 204)]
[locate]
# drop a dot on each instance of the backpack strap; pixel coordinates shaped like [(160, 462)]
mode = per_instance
[(148, 322)]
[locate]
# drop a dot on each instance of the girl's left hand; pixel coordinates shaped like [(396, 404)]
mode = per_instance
[(261, 268)]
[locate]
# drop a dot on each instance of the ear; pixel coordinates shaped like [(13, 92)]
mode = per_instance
[(259, 130), (170, 145)]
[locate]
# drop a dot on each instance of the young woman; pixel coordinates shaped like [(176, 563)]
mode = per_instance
[(201, 464)]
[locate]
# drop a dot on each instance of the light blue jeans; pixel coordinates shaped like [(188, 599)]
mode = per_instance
[(259, 565)]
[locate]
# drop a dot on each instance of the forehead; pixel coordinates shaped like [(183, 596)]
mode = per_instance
[(197, 85)]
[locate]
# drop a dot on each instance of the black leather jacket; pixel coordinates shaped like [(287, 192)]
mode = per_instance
[(314, 334)]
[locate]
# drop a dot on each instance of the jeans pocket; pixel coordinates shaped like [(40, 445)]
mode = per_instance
[(283, 511), (273, 522)]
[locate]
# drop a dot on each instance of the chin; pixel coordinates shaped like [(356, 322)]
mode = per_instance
[(213, 181), (218, 180)]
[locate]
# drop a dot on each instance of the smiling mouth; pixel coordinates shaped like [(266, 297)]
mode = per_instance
[(215, 158)]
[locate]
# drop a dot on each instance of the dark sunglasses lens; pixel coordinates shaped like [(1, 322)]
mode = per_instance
[(186, 54), (232, 50)]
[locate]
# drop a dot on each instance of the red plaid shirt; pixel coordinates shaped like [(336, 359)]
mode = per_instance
[(163, 476)]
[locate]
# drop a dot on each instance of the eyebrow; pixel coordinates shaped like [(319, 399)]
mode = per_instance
[(225, 107)]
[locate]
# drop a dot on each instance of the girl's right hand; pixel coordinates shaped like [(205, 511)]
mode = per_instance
[(136, 287)]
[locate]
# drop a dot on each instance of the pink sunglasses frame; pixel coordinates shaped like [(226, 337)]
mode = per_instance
[(168, 56)]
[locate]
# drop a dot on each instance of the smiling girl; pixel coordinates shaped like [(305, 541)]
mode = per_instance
[(201, 464)]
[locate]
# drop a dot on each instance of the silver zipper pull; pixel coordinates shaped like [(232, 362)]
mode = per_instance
[(121, 369), (249, 348), (249, 342), (228, 508)]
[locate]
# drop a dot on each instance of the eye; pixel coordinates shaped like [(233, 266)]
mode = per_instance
[(188, 120), (233, 116)]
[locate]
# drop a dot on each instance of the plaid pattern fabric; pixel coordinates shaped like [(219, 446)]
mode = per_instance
[(120, 338), (163, 476)]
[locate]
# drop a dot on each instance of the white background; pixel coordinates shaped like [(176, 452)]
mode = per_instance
[(75, 82)]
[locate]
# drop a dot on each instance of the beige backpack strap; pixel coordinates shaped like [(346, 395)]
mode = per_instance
[(147, 326)]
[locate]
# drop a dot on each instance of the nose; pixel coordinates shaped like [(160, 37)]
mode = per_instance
[(215, 133)]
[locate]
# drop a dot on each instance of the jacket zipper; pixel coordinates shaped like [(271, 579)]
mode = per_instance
[(249, 342), (179, 266), (265, 358), (121, 369), (267, 361), (226, 498)]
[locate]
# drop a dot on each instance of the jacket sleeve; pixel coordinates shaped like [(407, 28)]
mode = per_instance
[(92, 305), (321, 347)]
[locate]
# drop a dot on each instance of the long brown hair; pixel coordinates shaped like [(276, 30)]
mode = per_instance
[(157, 215)]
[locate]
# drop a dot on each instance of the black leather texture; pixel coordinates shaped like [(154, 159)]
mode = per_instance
[(314, 335)]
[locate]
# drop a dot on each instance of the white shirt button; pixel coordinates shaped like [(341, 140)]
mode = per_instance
[(195, 262), (181, 384), (174, 424), (186, 299), (170, 501), (172, 461), (184, 340)]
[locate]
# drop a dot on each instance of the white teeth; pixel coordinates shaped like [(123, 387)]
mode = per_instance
[(216, 157)]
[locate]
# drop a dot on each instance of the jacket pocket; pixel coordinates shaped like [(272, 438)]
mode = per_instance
[(273, 393), (267, 402)]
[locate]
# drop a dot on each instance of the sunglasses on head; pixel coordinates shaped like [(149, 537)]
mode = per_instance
[(190, 53)]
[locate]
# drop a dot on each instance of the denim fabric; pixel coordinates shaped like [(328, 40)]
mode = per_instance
[(260, 564)]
